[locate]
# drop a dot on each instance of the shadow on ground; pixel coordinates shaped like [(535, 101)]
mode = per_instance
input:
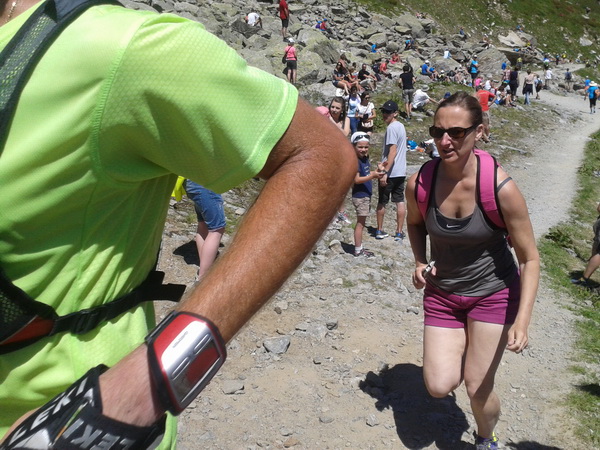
[(592, 389), (189, 252), (421, 420), (530, 445)]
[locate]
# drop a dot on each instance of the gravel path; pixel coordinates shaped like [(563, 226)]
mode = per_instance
[(334, 361)]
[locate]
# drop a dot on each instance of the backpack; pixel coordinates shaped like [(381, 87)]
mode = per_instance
[(568, 76), (487, 197)]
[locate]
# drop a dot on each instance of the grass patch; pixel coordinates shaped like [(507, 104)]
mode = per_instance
[(565, 250)]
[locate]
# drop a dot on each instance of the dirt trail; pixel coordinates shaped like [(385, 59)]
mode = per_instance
[(352, 374)]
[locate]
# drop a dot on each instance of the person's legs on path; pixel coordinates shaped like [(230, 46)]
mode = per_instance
[(592, 265), (380, 216), (384, 198), (207, 243), (400, 216), (211, 223), (361, 222), (443, 350), (485, 348)]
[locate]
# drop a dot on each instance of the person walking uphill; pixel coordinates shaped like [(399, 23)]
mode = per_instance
[(94, 160), (393, 160), (477, 300)]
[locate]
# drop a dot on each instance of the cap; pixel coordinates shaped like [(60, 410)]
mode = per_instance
[(360, 136), (291, 40), (390, 106), (593, 83), (426, 61)]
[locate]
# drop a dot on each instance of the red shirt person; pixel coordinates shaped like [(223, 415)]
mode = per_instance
[(486, 98), (284, 15)]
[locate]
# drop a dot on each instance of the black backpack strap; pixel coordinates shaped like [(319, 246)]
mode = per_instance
[(24, 320), (23, 52)]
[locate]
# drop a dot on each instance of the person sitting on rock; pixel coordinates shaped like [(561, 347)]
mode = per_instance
[(383, 69), (429, 71), (339, 80), (365, 79), (325, 26), (253, 19), (395, 58)]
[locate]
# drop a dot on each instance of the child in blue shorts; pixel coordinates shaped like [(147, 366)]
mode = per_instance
[(362, 189), (211, 223)]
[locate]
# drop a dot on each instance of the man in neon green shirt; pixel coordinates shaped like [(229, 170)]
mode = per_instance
[(120, 102)]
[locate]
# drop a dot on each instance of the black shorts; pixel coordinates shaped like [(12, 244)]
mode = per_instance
[(285, 23), (395, 188), (292, 64)]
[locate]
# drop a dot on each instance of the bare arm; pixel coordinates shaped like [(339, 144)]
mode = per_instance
[(346, 128), (516, 217), (243, 279), (417, 234), (361, 180)]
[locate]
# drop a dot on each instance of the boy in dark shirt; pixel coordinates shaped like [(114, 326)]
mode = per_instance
[(362, 189), (407, 80)]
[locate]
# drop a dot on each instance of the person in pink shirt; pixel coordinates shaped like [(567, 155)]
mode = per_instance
[(291, 61)]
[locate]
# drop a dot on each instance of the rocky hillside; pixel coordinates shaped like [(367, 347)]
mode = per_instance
[(354, 29)]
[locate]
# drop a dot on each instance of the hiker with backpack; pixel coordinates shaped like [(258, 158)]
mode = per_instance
[(477, 299), (568, 79)]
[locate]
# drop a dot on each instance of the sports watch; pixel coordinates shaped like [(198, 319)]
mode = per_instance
[(185, 352)]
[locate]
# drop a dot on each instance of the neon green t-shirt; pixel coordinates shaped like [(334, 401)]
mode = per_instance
[(119, 103)]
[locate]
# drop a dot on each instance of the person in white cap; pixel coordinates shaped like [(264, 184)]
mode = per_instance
[(592, 93), (362, 189), (291, 61)]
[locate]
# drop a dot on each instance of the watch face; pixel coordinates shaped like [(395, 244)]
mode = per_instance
[(188, 356)]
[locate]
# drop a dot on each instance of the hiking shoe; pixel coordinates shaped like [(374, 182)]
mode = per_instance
[(486, 443), (343, 217), (581, 281), (380, 234), (399, 236), (364, 252)]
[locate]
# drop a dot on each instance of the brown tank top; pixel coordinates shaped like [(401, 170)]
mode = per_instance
[(472, 257)]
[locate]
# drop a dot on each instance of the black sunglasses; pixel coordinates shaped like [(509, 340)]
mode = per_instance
[(454, 132)]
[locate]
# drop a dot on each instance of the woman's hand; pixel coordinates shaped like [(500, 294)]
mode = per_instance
[(418, 277), (517, 338)]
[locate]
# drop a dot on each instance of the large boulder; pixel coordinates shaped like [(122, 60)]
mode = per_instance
[(416, 27), (512, 39), (383, 23), (328, 50), (379, 39)]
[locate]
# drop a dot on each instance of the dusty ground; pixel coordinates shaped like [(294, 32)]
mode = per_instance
[(352, 374)]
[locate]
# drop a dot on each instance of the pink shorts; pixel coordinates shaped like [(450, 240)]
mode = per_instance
[(446, 310)]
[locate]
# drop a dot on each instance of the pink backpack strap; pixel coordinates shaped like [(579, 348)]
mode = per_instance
[(423, 185), (486, 187)]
